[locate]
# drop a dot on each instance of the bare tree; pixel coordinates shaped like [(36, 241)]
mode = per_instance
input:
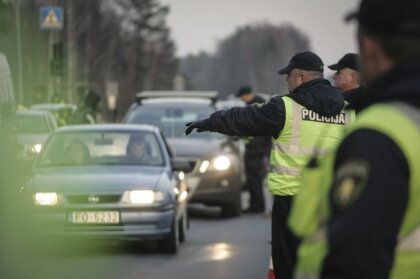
[(252, 55), (123, 40)]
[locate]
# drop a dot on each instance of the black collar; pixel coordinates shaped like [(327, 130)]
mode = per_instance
[(310, 84), (401, 83)]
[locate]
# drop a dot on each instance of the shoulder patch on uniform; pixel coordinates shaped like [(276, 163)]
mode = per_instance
[(349, 182), (260, 105)]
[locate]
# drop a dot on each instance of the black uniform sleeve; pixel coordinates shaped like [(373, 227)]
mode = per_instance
[(368, 200), (265, 120)]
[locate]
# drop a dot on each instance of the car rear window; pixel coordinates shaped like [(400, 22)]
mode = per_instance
[(32, 124), (171, 119)]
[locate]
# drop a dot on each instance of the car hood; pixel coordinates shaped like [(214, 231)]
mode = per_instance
[(94, 178), (32, 138), (196, 148)]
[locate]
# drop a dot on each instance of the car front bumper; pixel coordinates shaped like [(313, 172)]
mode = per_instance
[(215, 188), (136, 224)]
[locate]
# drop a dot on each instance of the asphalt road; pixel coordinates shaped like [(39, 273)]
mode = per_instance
[(215, 248)]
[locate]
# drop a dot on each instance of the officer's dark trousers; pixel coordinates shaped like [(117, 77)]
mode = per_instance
[(283, 243), (255, 170)]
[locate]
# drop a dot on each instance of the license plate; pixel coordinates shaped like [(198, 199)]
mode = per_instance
[(96, 217)]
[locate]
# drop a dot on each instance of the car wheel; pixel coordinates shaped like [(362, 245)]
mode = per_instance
[(232, 209), (169, 245), (183, 227)]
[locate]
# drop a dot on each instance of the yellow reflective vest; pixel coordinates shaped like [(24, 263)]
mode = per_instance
[(401, 123), (305, 134)]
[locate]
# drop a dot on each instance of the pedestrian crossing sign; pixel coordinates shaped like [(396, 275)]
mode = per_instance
[(51, 18)]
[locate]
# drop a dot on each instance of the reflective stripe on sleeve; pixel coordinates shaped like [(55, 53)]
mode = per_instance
[(298, 150), (285, 170)]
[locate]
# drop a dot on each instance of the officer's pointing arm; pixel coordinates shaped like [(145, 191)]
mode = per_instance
[(265, 120)]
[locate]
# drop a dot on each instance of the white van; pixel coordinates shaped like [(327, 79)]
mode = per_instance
[(7, 101), (8, 138)]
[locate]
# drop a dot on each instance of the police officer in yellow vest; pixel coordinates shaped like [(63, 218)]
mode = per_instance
[(305, 123), (362, 218)]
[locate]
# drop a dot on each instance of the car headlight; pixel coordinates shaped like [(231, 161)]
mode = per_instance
[(142, 197), (36, 148), (219, 163), (48, 199), (204, 166), (181, 195)]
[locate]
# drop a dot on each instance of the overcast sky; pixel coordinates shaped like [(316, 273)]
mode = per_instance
[(198, 24)]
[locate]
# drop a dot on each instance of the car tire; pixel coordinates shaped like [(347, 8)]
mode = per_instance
[(169, 244), (232, 209), (183, 227)]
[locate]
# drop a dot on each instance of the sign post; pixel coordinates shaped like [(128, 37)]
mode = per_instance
[(51, 18)]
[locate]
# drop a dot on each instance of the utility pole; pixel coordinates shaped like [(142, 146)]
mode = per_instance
[(70, 52), (52, 20), (19, 50)]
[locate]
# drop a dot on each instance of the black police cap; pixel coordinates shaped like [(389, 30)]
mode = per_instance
[(243, 91), (389, 17), (349, 60), (308, 61)]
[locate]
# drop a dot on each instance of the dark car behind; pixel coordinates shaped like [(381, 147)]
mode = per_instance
[(217, 175)]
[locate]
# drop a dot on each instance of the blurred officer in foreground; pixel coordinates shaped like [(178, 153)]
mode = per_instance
[(347, 76), (257, 150), (373, 196), (304, 123)]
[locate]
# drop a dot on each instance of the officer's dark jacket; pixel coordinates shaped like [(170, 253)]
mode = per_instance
[(362, 238), (258, 146), (353, 95), (317, 95)]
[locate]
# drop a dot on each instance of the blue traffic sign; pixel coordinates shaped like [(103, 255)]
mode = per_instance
[(51, 18)]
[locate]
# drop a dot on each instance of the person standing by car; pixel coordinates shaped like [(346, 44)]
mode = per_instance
[(86, 113), (257, 150), (305, 123), (373, 226), (347, 76)]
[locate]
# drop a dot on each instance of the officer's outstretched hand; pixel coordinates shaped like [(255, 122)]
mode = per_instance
[(200, 125)]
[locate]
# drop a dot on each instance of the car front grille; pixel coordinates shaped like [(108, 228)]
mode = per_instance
[(193, 164), (92, 199)]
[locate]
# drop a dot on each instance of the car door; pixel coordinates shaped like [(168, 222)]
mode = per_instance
[(52, 124)]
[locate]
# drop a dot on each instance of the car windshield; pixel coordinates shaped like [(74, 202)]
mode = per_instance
[(171, 119), (32, 124), (102, 148)]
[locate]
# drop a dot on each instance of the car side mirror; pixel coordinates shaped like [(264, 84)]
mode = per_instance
[(179, 164), (235, 138)]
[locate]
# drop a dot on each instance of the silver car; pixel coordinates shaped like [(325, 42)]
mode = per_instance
[(117, 181), (33, 129)]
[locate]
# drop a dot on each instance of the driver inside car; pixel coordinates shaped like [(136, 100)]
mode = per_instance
[(137, 151)]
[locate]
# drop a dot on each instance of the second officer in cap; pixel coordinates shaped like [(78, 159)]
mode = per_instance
[(347, 76), (306, 122)]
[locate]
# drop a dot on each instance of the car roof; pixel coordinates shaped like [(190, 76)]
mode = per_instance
[(108, 128), (185, 101), (48, 106), (32, 112)]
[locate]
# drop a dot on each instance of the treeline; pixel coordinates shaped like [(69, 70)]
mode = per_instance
[(250, 56), (126, 41)]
